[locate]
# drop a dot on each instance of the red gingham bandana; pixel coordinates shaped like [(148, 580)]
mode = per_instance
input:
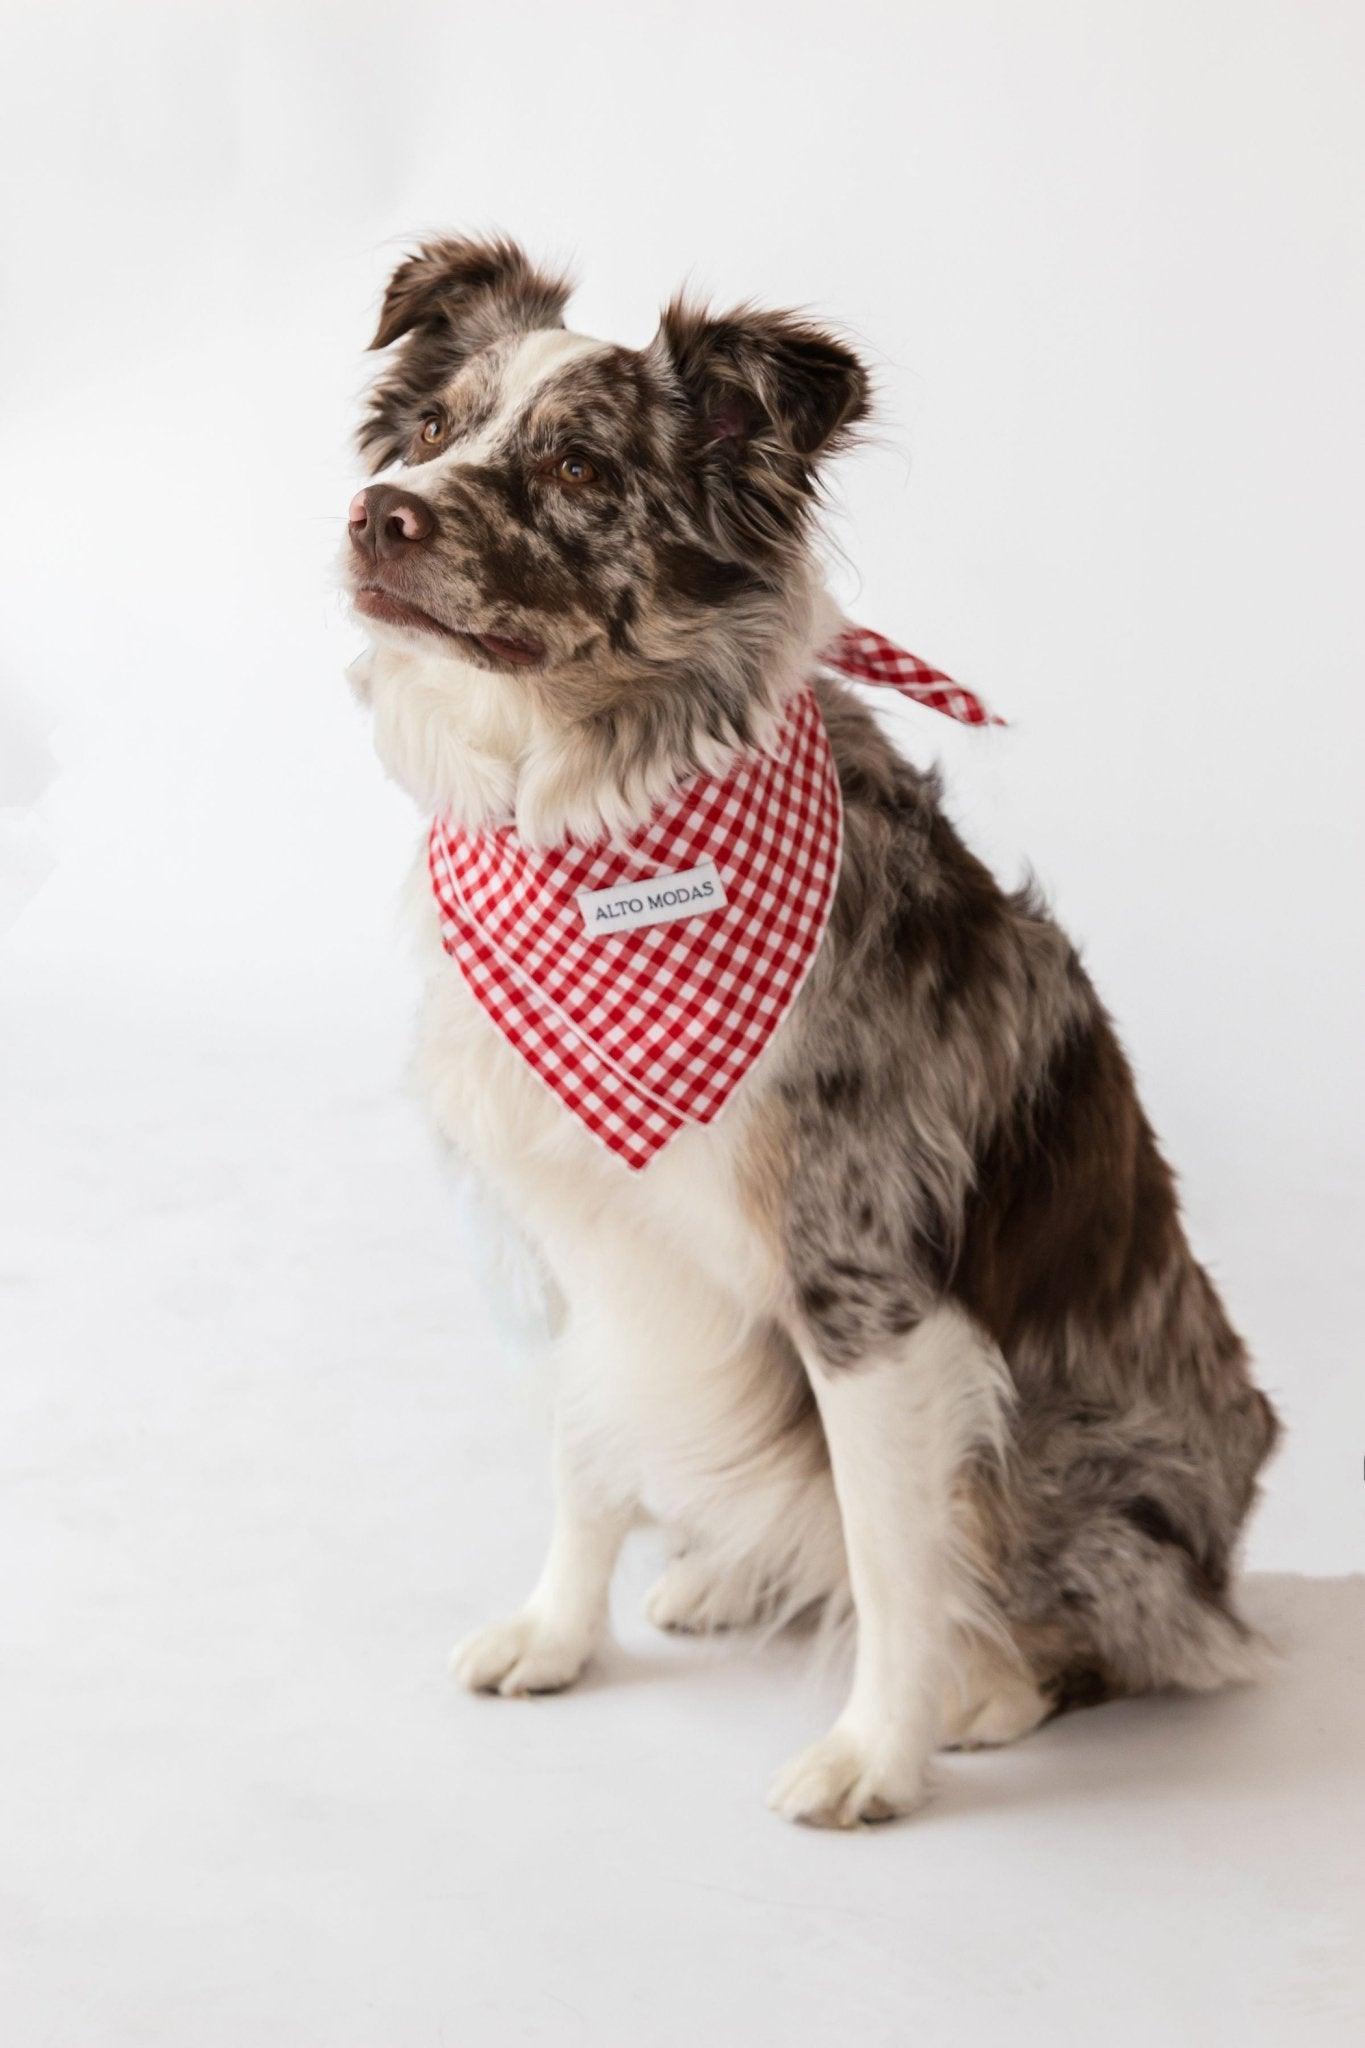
[(652, 1025)]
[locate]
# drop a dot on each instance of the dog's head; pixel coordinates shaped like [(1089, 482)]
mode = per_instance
[(618, 532)]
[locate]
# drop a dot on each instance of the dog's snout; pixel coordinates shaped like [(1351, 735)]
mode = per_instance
[(384, 521)]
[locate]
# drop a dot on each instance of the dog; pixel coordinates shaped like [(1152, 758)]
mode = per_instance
[(911, 1332)]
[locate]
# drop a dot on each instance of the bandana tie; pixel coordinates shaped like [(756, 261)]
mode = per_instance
[(641, 977)]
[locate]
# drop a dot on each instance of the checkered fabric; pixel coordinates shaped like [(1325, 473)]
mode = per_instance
[(868, 658), (639, 1032)]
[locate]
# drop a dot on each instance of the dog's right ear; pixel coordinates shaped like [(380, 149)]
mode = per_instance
[(449, 299), (469, 293)]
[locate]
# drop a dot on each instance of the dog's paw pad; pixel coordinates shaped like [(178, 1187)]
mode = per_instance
[(842, 1781), (517, 1656)]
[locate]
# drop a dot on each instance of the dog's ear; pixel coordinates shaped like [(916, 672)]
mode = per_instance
[(470, 291), (750, 368), (769, 396), (442, 304)]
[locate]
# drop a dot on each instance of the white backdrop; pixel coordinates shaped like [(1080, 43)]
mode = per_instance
[(1106, 264)]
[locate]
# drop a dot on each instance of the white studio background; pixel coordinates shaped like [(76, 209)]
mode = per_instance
[(1105, 262)]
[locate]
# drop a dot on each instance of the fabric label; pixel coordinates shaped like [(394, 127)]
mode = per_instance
[(628, 905)]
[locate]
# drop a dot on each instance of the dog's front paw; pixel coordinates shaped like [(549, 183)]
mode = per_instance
[(520, 1655), (844, 1779)]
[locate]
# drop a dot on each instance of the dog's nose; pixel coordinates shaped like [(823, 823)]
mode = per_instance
[(383, 522)]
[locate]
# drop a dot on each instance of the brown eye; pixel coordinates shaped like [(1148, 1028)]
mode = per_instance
[(575, 469), (431, 428)]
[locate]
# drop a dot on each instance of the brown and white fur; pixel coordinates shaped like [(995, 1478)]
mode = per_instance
[(914, 1324)]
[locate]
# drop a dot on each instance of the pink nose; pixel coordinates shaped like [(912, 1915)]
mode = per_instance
[(384, 522)]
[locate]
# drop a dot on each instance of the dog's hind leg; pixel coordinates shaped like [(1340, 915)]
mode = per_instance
[(1137, 1614), (1119, 1577), (990, 1698), (765, 1547), (696, 1595)]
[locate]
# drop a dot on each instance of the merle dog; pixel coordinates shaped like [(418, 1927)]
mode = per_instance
[(912, 1331)]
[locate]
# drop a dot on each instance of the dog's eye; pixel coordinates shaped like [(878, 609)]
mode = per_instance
[(576, 469), (431, 428)]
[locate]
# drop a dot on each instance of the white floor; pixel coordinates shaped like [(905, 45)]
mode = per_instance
[(262, 1463)]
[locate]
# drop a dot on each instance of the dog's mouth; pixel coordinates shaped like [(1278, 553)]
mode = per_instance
[(504, 650)]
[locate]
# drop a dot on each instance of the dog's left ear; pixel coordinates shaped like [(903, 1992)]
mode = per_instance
[(750, 368), (769, 397)]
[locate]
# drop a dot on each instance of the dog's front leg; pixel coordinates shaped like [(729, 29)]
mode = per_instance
[(544, 1646), (898, 1423)]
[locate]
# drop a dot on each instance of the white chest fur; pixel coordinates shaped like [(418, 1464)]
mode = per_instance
[(668, 1364)]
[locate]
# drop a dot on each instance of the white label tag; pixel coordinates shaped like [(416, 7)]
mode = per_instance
[(628, 905)]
